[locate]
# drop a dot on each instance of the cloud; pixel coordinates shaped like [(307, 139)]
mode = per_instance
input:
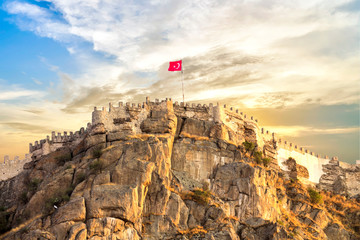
[(254, 53), (298, 131), (19, 94), (36, 81), (30, 128)]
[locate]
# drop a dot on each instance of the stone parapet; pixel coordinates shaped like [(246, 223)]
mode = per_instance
[(11, 167), (128, 117)]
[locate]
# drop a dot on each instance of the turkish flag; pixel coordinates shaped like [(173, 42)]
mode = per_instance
[(175, 66)]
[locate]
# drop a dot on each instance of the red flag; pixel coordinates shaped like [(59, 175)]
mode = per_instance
[(175, 66)]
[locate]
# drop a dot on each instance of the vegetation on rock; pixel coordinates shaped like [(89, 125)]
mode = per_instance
[(62, 159), (97, 151), (249, 146), (315, 196), (198, 195)]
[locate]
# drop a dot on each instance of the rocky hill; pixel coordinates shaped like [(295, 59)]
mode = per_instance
[(161, 172)]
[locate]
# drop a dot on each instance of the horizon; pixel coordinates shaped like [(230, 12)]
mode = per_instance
[(293, 66)]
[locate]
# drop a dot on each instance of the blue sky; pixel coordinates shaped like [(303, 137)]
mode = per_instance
[(293, 64)]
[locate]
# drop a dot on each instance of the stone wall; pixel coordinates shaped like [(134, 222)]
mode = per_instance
[(127, 119), (341, 178), (10, 168), (46, 146)]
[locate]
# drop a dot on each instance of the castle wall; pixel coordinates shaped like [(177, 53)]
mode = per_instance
[(127, 118), (11, 167), (313, 164), (202, 112), (122, 117), (46, 146)]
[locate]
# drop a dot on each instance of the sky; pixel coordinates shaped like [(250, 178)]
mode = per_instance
[(293, 65)]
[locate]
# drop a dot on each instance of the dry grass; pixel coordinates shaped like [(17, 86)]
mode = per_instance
[(198, 230), (340, 202), (21, 226), (195, 137), (171, 189), (198, 195), (108, 148), (142, 137), (233, 218)]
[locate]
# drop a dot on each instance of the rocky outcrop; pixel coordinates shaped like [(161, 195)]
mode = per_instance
[(162, 172), (296, 170), (341, 178)]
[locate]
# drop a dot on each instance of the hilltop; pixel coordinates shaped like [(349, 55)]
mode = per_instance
[(163, 170)]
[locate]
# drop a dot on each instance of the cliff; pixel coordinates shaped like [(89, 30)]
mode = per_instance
[(167, 171)]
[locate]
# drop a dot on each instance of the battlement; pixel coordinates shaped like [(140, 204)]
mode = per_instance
[(128, 117), (8, 161), (11, 167), (293, 147), (59, 138)]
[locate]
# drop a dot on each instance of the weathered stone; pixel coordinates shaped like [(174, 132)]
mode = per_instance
[(72, 211), (177, 211), (91, 141), (113, 201), (335, 232), (78, 232), (199, 159), (104, 226), (98, 129), (115, 136), (57, 187), (195, 127), (296, 170), (60, 230), (151, 156)]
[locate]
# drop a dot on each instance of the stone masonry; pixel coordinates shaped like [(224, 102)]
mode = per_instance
[(129, 118)]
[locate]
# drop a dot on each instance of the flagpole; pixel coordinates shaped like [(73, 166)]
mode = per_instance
[(182, 82)]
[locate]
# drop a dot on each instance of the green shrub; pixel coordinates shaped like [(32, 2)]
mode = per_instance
[(96, 152), (63, 158), (249, 146), (2, 208), (315, 196), (34, 184), (69, 190), (24, 198), (97, 165), (80, 177), (258, 157), (58, 198), (199, 195), (266, 161)]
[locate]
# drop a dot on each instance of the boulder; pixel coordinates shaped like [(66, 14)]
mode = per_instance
[(72, 211), (113, 201)]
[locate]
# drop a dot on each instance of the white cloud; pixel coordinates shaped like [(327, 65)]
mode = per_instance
[(38, 82), (298, 131), (20, 93), (143, 35)]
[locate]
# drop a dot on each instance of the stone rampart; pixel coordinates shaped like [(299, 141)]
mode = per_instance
[(228, 115), (11, 167), (46, 146), (128, 117)]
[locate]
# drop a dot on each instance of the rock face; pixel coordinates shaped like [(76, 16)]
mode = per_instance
[(341, 178), (296, 170), (168, 172)]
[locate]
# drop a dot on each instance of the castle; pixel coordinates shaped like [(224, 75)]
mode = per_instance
[(129, 119)]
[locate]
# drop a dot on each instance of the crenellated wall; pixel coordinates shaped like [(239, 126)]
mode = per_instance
[(127, 119), (46, 146), (11, 167)]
